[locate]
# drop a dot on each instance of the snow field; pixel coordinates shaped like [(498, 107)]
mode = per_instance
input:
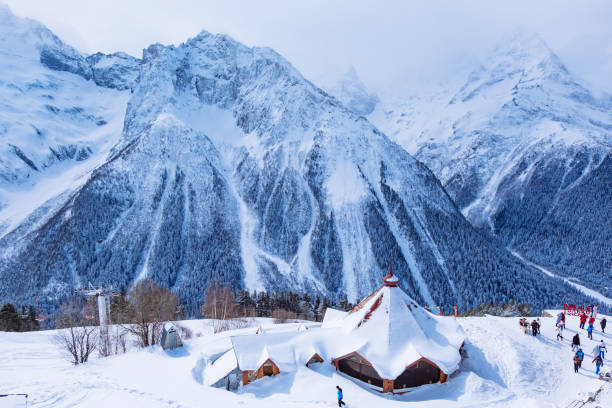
[(504, 368)]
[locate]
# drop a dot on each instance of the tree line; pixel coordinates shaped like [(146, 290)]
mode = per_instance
[(139, 314), (13, 321)]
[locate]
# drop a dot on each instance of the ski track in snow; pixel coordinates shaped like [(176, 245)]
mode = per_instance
[(583, 289), (503, 368)]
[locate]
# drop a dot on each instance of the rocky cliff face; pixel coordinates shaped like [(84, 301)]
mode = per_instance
[(232, 166), (516, 145)]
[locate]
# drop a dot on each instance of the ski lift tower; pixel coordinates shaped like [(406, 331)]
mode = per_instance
[(101, 294)]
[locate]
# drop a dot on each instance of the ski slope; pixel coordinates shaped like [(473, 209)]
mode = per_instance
[(504, 368)]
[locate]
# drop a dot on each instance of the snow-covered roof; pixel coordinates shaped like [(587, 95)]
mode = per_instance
[(220, 368), (396, 332), (388, 328), (286, 349), (169, 326), (332, 317)]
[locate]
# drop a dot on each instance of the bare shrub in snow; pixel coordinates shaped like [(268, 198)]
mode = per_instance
[(220, 306), (78, 342), (184, 331), (76, 338), (114, 341), (150, 306), (283, 316), (231, 324), (219, 302)]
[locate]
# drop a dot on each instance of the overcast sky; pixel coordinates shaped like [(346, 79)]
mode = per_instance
[(390, 43)]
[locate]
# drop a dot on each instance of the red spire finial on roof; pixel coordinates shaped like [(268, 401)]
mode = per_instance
[(389, 279)]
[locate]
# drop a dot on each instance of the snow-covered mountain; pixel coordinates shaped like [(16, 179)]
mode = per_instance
[(353, 94), (526, 153), (55, 126), (232, 166)]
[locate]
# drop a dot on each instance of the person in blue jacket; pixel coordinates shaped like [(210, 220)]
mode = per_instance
[(340, 396), (590, 331), (580, 355)]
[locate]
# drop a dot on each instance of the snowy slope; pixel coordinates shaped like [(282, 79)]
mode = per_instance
[(525, 152), (503, 368), (55, 126)]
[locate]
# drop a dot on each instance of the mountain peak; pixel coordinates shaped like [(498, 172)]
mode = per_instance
[(522, 40), (5, 12), (525, 50), (353, 94), (520, 59)]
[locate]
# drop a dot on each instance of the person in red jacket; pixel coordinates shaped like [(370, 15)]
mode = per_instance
[(591, 320), (563, 319), (583, 319)]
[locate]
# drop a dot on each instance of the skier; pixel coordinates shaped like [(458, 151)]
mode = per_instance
[(576, 341), (590, 331), (602, 349), (535, 326), (583, 319), (576, 362), (598, 363), (580, 355), (340, 396), (559, 331), (595, 311), (559, 319), (591, 309), (591, 320), (602, 323)]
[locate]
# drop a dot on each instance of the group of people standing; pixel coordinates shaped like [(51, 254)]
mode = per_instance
[(599, 354), (591, 326), (534, 325), (600, 348)]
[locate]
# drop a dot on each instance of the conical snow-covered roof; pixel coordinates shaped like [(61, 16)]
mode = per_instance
[(387, 328), (394, 331)]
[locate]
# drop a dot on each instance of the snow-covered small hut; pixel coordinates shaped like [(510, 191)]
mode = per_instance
[(269, 354), (170, 338)]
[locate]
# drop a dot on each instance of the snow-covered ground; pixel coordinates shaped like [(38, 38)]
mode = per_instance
[(504, 368)]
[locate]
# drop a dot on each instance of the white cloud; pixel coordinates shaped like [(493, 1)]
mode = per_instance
[(390, 42)]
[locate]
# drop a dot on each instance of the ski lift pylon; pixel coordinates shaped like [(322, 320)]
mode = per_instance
[(40, 318)]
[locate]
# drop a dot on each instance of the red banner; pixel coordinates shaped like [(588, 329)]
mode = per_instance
[(572, 310)]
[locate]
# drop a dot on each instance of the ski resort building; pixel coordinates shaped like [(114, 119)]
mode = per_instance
[(387, 341)]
